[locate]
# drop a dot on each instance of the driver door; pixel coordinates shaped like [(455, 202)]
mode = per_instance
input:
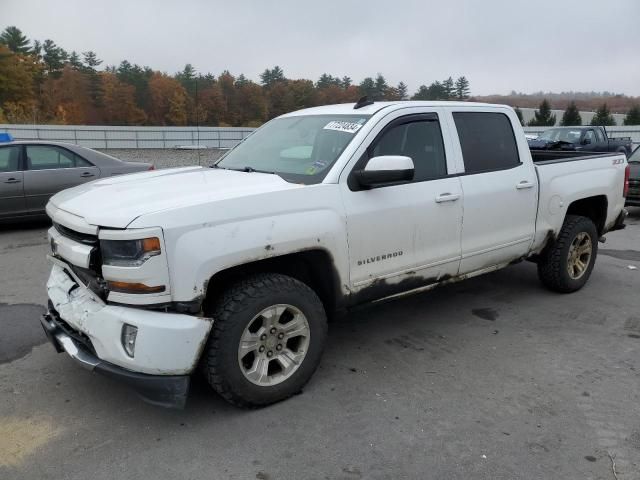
[(407, 235)]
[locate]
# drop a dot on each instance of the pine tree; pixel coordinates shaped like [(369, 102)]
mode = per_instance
[(519, 115), (571, 116), (402, 90), (74, 61), (603, 117), (449, 88), (15, 40), (346, 82), (269, 78), (543, 116), (633, 115), (53, 57), (91, 60), (381, 87), (462, 88), (368, 88)]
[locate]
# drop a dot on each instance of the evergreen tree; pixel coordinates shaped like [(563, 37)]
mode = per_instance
[(381, 87), (368, 88), (571, 116), (346, 82), (633, 115), (53, 57), (91, 60), (603, 117), (462, 88), (325, 81), (74, 61), (543, 116), (519, 115), (402, 90), (15, 40), (449, 88), (269, 78), (421, 94)]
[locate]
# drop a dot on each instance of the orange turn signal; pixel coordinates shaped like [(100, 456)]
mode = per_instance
[(126, 287), (151, 244)]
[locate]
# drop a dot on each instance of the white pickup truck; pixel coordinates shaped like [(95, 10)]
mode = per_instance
[(235, 268)]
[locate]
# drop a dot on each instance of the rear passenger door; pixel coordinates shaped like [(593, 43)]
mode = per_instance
[(49, 169), (500, 190), (12, 201)]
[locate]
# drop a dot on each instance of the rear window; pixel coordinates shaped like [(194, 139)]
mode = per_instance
[(487, 140)]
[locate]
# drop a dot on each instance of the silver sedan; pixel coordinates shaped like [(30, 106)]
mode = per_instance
[(32, 171)]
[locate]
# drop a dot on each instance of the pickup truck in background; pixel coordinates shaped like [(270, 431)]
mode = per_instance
[(235, 269), (585, 139), (633, 197)]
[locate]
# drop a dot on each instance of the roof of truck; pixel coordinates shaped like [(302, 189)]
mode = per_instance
[(347, 108)]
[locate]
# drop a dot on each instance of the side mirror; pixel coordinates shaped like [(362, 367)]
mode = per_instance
[(385, 169)]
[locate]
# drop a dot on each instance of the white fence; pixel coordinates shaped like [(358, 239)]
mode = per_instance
[(171, 137), (104, 137)]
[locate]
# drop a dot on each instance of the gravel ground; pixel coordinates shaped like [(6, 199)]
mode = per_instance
[(167, 158), (493, 378)]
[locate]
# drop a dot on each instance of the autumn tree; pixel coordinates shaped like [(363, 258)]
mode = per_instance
[(603, 117), (167, 101), (633, 115), (15, 40), (571, 116), (120, 102), (543, 116)]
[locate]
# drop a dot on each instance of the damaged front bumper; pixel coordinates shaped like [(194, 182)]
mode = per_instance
[(167, 345), (163, 390)]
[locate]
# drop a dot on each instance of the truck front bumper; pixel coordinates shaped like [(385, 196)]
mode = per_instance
[(167, 345), (163, 390)]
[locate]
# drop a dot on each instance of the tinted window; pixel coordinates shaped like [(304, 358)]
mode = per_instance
[(600, 135), (9, 157), (589, 136), (419, 140), (487, 141), (43, 157)]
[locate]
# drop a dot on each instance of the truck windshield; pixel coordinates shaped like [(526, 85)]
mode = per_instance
[(300, 149), (635, 156), (561, 135)]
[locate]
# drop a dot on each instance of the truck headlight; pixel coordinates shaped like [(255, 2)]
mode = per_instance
[(129, 253)]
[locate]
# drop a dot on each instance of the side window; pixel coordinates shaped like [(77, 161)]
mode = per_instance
[(44, 157), (81, 162), (9, 159), (421, 141), (589, 136), (600, 135), (487, 140)]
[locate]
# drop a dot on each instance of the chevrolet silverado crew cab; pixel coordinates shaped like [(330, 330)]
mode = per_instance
[(234, 269)]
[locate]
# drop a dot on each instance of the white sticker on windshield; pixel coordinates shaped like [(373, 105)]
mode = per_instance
[(348, 127)]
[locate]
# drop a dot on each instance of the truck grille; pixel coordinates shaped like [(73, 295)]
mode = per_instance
[(79, 237)]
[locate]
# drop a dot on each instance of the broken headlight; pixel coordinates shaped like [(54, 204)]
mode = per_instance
[(129, 253)]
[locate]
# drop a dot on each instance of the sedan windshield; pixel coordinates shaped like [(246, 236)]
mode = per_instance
[(561, 135), (300, 149)]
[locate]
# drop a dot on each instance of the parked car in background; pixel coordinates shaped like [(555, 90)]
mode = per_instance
[(633, 195), (32, 171), (235, 268), (587, 139)]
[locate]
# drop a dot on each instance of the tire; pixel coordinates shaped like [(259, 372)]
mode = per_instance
[(557, 268), (246, 311)]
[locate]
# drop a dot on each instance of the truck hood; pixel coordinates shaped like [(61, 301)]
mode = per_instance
[(118, 201)]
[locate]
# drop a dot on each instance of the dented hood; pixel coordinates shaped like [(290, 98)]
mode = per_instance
[(118, 201)]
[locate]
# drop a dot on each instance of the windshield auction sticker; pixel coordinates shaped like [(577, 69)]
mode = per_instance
[(339, 126)]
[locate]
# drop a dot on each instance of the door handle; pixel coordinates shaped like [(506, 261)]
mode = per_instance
[(524, 184), (87, 175), (12, 180), (447, 197)]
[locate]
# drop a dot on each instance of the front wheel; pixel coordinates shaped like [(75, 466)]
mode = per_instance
[(566, 265), (267, 339)]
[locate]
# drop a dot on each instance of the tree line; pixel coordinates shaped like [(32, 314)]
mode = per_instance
[(41, 82), (543, 116)]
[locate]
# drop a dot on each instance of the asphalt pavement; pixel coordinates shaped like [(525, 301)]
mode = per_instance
[(491, 378)]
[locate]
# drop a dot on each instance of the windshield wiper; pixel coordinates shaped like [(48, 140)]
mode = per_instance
[(248, 169)]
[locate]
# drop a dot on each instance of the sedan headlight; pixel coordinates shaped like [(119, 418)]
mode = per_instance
[(129, 253)]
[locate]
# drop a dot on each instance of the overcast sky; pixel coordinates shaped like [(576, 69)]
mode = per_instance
[(499, 45)]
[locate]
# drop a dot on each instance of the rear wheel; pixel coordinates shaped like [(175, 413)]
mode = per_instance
[(267, 339), (566, 265)]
